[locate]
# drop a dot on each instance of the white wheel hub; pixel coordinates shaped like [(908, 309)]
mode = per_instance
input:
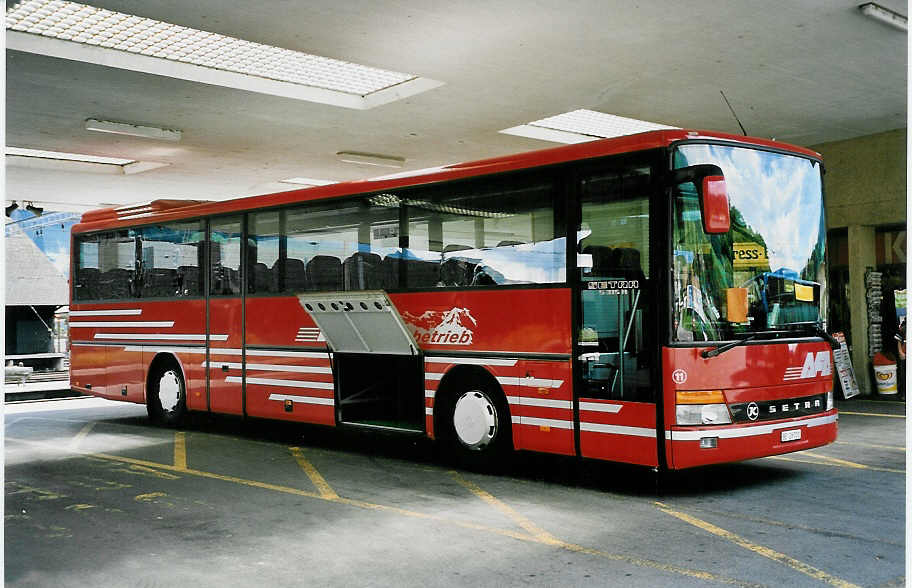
[(169, 390), (475, 419)]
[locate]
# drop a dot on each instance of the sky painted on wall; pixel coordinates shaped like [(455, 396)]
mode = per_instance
[(50, 232)]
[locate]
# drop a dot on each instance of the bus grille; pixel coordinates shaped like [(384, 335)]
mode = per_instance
[(769, 410)]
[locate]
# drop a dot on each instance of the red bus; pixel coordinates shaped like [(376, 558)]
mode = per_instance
[(683, 325)]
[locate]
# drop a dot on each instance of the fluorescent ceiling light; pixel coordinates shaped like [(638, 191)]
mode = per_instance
[(307, 181), (69, 30), (116, 128), (582, 125), (60, 161), (884, 15), (67, 156), (370, 159)]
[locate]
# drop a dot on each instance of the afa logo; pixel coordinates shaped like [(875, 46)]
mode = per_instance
[(815, 364), (450, 327)]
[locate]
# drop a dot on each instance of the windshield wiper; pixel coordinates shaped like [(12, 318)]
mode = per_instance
[(707, 353), (810, 329)]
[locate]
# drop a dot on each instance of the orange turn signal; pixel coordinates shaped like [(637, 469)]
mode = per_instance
[(699, 397)]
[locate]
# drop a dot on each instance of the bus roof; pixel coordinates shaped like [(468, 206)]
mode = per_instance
[(174, 209)]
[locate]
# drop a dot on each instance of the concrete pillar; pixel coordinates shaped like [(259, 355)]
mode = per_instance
[(861, 257)]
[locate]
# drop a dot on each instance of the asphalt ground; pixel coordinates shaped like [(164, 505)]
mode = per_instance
[(96, 496)]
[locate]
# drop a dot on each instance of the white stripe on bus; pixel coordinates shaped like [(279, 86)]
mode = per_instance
[(557, 424), (284, 383), (302, 399), (223, 351), (161, 337), (599, 407), (529, 382), (472, 361), (117, 312), (302, 354), (144, 324), (433, 376), (161, 349), (545, 402), (268, 367), (750, 431), (430, 393), (618, 430)]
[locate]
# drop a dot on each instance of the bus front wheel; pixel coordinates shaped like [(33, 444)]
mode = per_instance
[(167, 394)]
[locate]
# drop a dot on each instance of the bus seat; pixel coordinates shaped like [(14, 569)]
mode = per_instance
[(456, 271), (190, 280), (482, 277), (295, 275), (87, 283), (388, 272), (258, 278), (602, 258), (115, 283), (359, 271), (324, 272), (422, 274), (160, 283), (627, 261)]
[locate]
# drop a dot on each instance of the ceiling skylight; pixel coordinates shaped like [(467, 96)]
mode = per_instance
[(213, 58), (60, 161), (583, 125)]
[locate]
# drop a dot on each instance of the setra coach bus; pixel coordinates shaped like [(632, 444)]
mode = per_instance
[(656, 299)]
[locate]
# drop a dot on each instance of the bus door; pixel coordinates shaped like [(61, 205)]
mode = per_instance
[(225, 316), (614, 359)]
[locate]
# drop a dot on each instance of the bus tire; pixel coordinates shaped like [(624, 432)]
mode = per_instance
[(476, 431), (167, 394)]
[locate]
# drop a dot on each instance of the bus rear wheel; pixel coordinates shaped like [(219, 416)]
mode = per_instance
[(167, 394), (477, 431)]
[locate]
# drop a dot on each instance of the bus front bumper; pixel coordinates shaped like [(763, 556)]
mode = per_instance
[(688, 447)]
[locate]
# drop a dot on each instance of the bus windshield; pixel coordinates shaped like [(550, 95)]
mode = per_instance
[(767, 275)]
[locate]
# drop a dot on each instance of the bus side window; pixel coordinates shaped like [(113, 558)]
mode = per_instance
[(225, 257), (87, 278), (169, 260), (263, 244), (495, 231)]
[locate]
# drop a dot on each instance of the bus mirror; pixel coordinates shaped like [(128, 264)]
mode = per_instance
[(710, 184), (714, 205)]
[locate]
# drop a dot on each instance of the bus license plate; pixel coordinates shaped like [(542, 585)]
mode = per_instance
[(790, 435)]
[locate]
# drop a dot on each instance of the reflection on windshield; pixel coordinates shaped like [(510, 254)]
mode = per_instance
[(768, 272)]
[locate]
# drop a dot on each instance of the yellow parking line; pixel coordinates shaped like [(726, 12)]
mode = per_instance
[(180, 450), (319, 481), (871, 445), (520, 520), (698, 574), (791, 562), (539, 535), (836, 462), (82, 434), (875, 414)]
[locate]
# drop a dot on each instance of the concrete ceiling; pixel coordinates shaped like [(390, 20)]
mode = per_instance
[(802, 71)]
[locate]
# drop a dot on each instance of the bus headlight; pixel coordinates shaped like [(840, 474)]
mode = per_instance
[(701, 407), (703, 414), (830, 403)]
